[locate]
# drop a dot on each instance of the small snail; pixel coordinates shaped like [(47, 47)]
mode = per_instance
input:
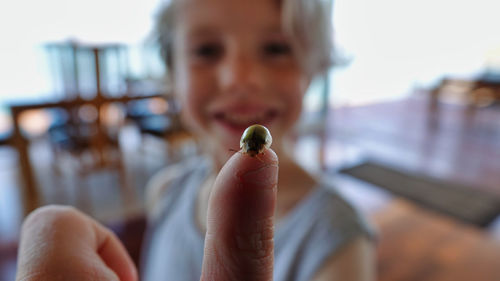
[(255, 139)]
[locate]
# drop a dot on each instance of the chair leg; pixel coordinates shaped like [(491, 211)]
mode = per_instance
[(126, 184)]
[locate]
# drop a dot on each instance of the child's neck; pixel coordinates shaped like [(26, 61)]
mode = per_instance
[(294, 184)]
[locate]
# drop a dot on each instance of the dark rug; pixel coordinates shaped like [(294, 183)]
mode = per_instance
[(463, 202)]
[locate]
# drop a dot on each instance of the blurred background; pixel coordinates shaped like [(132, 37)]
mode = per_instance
[(408, 125)]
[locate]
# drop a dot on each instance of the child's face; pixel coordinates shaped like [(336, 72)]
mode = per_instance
[(233, 67)]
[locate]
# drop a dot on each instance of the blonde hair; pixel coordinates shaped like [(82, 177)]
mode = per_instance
[(307, 22)]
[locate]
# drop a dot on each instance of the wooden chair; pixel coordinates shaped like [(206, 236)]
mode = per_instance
[(77, 135), (164, 125)]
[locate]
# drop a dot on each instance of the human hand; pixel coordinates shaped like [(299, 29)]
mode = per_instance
[(60, 243)]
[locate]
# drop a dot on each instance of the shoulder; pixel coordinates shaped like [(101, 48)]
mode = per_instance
[(343, 219), (320, 229), (165, 181), (343, 212), (353, 262), (348, 238)]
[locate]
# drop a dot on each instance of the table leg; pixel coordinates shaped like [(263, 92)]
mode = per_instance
[(29, 191)]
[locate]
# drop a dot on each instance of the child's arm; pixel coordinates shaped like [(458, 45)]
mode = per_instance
[(356, 262)]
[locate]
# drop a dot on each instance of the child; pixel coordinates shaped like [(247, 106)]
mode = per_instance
[(234, 63)]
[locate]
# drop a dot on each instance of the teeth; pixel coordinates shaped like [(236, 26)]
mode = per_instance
[(244, 119), (239, 120)]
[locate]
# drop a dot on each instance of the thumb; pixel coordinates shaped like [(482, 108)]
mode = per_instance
[(240, 221), (61, 243)]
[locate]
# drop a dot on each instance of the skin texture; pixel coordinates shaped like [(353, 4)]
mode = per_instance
[(61, 243), (239, 239)]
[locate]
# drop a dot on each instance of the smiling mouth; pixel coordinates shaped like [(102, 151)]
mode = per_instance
[(239, 121)]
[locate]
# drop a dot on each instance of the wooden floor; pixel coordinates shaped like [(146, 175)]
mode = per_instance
[(452, 144), (418, 245), (413, 243)]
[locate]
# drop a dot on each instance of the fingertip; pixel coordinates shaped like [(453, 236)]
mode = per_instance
[(241, 162), (266, 156), (114, 254)]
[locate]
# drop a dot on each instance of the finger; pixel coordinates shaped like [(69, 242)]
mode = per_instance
[(61, 243), (114, 254), (240, 221)]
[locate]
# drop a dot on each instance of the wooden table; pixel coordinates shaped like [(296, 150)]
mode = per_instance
[(72, 100), (477, 90), (30, 192)]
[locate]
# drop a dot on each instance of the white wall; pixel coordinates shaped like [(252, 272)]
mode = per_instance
[(396, 45), (26, 24)]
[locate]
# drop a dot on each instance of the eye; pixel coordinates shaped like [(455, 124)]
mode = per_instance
[(277, 49), (207, 51)]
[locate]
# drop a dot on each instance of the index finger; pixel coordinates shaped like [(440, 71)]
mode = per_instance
[(239, 241)]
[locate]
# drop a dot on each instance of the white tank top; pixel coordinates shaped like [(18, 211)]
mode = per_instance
[(315, 229)]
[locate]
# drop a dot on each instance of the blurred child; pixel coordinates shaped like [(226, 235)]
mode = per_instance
[(224, 216), (234, 63)]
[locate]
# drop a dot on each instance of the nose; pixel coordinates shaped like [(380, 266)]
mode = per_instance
[(240, 74)]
